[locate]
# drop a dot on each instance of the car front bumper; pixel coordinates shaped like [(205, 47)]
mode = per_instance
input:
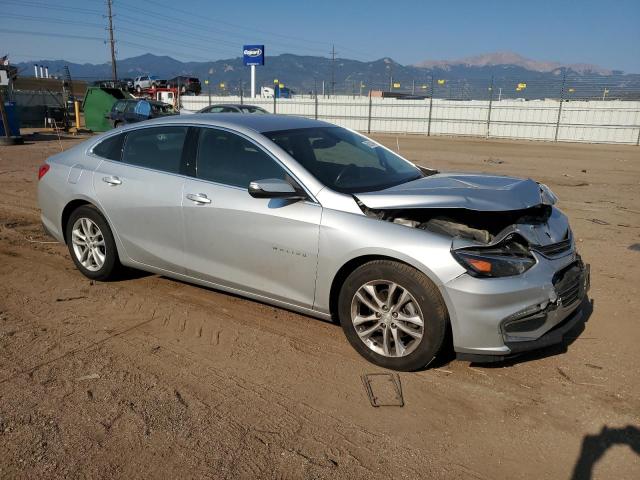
[(496, 318)]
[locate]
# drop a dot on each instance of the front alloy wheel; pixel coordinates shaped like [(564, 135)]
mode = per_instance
[(387, 318), (393, 315)]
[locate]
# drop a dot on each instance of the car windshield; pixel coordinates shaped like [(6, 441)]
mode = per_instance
[(343, 160)]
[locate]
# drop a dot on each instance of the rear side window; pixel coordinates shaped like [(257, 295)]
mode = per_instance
[(159, 148), (110, 148), (227, 158), (220, 110), (120, 106)]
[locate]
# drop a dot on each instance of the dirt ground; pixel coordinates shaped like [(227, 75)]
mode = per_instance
[(153, 378)]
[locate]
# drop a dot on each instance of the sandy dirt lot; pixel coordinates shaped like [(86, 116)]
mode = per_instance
[(152, 378)]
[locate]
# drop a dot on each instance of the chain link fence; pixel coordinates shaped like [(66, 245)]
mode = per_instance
[(593, 121), (526, 86)]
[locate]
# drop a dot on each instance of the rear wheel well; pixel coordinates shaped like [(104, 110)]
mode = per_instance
[(344, 272), (66, 213)]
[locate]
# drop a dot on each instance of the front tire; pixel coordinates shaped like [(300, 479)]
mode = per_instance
[(393, 315), (91, 244)]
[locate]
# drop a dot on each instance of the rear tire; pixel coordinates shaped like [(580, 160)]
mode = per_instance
[(413, 297), (91, 244)]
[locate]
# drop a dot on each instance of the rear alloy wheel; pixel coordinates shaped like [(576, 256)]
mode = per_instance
[(393, 315), (91, 244)]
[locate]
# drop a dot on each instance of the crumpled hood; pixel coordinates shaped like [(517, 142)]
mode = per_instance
[(451, 190)]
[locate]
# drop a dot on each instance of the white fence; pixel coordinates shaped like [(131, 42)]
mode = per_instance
[(551, 120)]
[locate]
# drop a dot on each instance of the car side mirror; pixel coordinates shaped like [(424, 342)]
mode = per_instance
[(274, 188)]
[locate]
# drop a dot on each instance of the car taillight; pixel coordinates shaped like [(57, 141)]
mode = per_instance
[(44, 168)]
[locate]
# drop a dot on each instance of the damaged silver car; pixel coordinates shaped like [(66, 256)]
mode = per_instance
[(322, 220)]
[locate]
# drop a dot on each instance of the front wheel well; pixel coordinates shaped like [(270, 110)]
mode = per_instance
[(66, 213), (344, 272)]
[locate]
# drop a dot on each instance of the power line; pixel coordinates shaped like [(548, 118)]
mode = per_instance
[(120, 29), (207, 28), (201, 27), (52, 20), (142, 22), (141, 46), (242, 27), (48, 6)]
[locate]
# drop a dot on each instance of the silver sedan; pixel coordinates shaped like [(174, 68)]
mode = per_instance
[(322, 220)]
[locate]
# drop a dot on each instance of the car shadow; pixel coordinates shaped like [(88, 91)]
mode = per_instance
[(553, 350), (128, 273), (444, 357), (595, 446), (247, 299)]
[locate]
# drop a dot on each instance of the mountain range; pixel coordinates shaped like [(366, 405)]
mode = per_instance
[(511, 58), (465, 78)]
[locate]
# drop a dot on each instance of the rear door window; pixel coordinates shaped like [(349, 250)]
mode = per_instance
[(110, 148), (219, 109), (159, 148), (120, 106)]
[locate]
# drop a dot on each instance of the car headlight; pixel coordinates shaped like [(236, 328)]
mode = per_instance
[(508, 258), (548, 197)]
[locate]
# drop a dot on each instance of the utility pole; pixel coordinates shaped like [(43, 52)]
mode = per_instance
[(564, 79), (490, 104), (333, 70), (112, 42), (430, 107)]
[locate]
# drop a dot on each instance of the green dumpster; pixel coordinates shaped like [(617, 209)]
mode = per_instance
[(97, 105)]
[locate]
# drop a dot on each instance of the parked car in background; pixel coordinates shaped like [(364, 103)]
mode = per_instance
[(233, 108), (128, 83), (124, 112), (147, 81), (119, 84), (185, 85), (319, 219)]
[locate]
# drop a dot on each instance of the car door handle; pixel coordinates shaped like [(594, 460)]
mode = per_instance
[(199, 198), (112, 180)]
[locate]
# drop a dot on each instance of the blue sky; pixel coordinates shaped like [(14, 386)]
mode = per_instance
[(605, 33)]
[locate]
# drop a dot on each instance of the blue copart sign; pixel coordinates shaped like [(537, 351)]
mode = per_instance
[(253, 54)]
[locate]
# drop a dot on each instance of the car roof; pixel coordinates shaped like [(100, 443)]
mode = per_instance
[(258, 123), (235, 105)]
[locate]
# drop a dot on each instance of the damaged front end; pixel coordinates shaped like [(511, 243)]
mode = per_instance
[(494, 243), (570, 285), (527, 249)]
